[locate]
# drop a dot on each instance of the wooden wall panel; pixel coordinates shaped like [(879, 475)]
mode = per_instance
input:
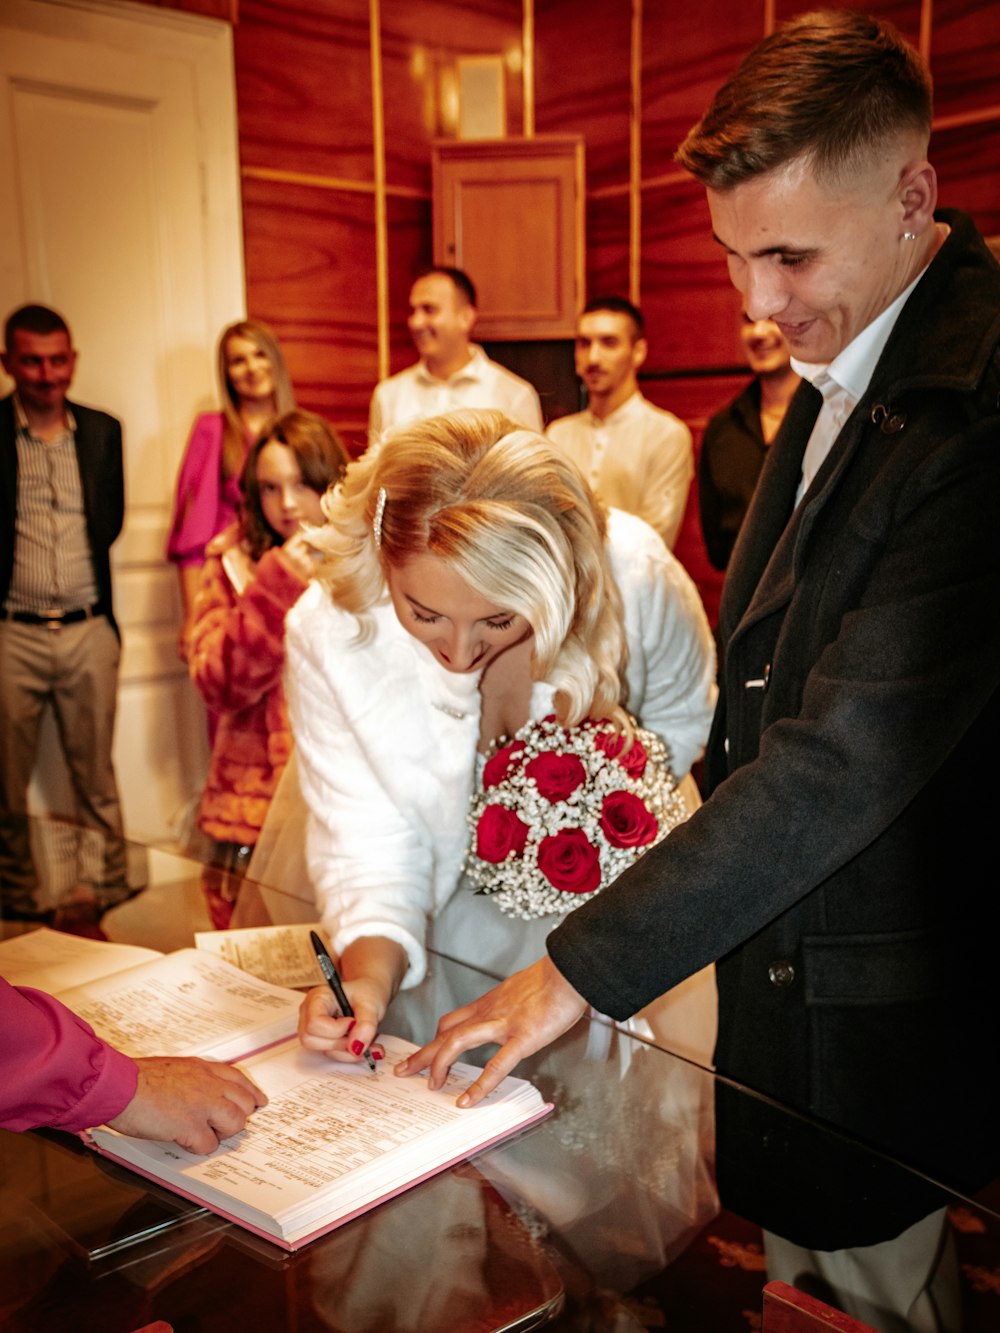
[(310, 273), (420, 46), (968, 166), (965, 57), (694, 398), (905, 14), (303, 82), (582, 86), (421, 41), (607, 245), (409, 222), (691, 308), (582, 82), (688, 51)]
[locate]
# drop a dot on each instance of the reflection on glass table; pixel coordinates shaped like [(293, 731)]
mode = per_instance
[(602, 1217)]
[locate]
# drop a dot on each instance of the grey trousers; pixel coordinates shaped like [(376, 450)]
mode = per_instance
[(906, 1285), (75, 669)]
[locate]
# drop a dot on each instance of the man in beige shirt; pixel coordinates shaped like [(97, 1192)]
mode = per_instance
[(635, 456), (62, 498)]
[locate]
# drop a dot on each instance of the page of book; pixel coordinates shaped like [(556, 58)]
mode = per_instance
[(51, 960), (334, 1139), (186, 1003), (282, 955)]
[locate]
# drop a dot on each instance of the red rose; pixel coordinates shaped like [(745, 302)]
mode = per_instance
[(633, 760), (625, 820), (498, 833), (569, 861), (556, 775), (499, 766)]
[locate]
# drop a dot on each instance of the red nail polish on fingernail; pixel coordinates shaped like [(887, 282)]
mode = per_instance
[(376, 1055), (358, 1047), (350, 1025)]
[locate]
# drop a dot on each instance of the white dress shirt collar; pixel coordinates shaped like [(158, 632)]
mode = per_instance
[(619, 415), (853, 368), (472, 370), (843, 382)]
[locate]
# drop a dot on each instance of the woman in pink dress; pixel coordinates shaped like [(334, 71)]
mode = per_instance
[(255, 388)]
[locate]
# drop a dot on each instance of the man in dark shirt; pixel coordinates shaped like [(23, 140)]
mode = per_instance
[(737, 438)]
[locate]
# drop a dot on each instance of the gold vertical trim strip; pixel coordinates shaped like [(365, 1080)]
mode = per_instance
[(926, 25), (580, 209), (528, 68), (769, 17), (381, 221), (635, 159)]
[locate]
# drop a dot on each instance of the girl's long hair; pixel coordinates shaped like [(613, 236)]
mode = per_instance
[(321, 458)]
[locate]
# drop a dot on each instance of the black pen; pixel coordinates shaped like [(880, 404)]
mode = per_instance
[(333, 981)]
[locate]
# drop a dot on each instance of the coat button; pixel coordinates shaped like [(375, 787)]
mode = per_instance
[(781, 973), (760, 682), (888, 421)]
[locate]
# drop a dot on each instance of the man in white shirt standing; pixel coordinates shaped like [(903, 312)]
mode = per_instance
[(452, 371), (635, 456)]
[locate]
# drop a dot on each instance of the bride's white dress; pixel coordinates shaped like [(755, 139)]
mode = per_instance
[(470, 928), (631, 1153), (387, 741)]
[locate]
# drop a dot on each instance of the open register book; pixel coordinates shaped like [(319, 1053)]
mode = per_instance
[(334, 1140)]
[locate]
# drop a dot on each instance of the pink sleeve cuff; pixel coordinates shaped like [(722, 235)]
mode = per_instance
[(54, 1070)]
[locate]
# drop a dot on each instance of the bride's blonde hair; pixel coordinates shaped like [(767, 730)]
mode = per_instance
[(514, 518)]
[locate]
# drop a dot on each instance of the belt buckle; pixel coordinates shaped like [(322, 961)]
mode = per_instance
[(53, 620)]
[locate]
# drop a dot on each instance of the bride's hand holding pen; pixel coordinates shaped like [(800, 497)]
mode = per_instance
[(369, 976)]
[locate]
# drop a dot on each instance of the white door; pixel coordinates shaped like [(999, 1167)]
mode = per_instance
[(121, 209)]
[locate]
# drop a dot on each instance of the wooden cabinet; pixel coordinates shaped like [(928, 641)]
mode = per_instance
[(510, 213)]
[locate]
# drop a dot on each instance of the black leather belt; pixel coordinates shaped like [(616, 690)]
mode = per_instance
[(51, 619)]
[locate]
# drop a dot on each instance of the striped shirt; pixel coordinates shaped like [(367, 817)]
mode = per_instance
[(53, 568)]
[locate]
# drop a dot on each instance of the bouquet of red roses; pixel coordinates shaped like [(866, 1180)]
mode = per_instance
[(564, 810)]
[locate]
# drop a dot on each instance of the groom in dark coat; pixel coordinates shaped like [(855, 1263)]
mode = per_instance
[(841, 869)]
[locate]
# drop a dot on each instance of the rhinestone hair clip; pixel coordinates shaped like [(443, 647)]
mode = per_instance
[(377, 520)]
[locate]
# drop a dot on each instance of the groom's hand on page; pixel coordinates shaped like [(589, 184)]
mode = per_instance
[(522, 1014), (195, 1103)]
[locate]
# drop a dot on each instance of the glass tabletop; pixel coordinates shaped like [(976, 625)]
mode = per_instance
[(602, 1216)]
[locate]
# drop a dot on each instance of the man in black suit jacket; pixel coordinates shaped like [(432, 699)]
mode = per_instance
[(837, 871), (62, 504)]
